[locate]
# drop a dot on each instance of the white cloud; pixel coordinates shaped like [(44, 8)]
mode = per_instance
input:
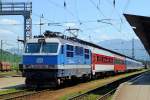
[(8, 21), (7, 35), (101, 37), (97, 31), (105, 37), (3, 31)]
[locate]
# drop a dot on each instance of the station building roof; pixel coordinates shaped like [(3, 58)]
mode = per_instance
[(141, 26)]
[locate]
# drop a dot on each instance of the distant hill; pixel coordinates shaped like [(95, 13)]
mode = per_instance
[(125, 47)]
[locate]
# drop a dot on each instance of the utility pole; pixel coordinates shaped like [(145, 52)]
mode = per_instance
[(0, 5), (41, 23), (18, 45), (1, 50), (90, 38), (133, 48)]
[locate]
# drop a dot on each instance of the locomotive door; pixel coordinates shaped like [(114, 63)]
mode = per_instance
[(62, 58), (93, 63)]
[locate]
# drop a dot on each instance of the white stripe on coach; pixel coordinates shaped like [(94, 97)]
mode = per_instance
[(100, 68)]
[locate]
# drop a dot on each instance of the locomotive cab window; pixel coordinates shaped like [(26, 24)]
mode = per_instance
[(32, 48), (70, 50), (50, 47)]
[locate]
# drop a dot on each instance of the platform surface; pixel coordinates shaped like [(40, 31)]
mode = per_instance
[(138, 89), (11, 82)]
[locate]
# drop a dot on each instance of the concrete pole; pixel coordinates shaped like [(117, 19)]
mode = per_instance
[(133, 56), (1, 50)]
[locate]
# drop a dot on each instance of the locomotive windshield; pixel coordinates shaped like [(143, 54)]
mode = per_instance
[(33, 48), (49, 47), (41, 47)]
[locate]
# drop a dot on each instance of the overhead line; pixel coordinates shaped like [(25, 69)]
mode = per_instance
[(57, 5), (92, 2), (77, 12), (126, 6), (59, 23)]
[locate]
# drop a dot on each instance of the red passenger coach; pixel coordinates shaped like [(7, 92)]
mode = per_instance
[(119, 64), (102, 61)]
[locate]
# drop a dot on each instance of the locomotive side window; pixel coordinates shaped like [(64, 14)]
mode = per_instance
[(78, 50), (69, 54), (69, 51), (62, 49), (69, 47), (86, 53)]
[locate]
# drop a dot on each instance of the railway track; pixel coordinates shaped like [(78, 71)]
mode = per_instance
[(13, 94), (22, 95), (104, 92)]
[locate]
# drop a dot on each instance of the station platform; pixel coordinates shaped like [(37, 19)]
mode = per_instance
[(11, 83), (135, 89)]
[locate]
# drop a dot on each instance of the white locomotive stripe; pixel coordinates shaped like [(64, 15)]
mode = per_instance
[(100, 68), (57, 67), (73, 66)]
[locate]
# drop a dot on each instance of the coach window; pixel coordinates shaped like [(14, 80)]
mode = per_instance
[(69, 51), (111, 60), (86, 53), (123, 62), (119, 61), (116, 61), (104, 59), (98, 59)]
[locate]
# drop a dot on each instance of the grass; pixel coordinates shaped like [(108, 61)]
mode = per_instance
[(110, 98), (13, 59), (9, 91), (99, 83), (10, 73), (12, 90)]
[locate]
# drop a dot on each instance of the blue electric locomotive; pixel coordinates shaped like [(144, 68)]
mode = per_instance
[(49, 60)]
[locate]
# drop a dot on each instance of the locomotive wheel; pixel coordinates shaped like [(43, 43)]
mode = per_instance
[(27, 82), (30, 83)]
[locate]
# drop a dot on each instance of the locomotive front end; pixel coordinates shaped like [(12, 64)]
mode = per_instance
[(40, 61)]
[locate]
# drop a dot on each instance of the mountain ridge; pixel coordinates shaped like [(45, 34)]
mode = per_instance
[(125, 47)]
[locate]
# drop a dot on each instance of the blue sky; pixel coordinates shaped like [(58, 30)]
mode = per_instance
[(82, 14)]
